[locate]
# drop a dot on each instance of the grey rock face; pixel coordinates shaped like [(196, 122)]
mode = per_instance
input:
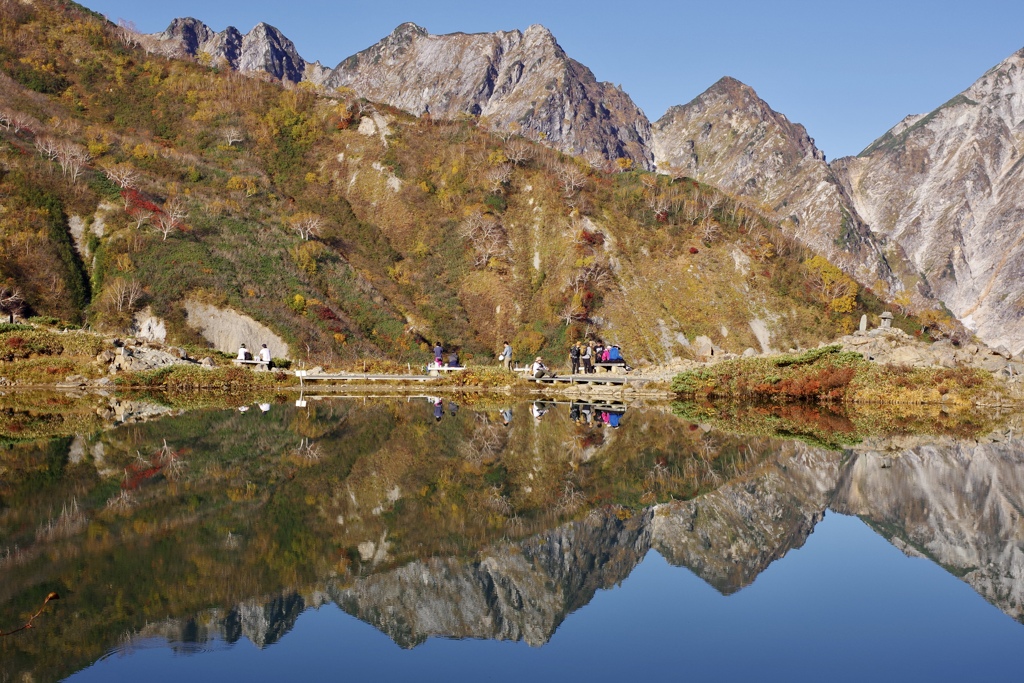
[(949, 187), (516, 592), (509, 77), (731, 138), (264, 49), (731, 535), (957, 503)]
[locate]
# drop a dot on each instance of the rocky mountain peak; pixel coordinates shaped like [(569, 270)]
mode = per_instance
[(263, 49), (729, 137), (513, 78), (949, 187), (190, 31)]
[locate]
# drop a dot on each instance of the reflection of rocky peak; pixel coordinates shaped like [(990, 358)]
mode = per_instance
[(509, 77), (960, 504), (262, 622), (731, 535), (516, 592)]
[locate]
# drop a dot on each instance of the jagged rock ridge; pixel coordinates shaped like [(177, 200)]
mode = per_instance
[(949, 187), (512, 78), (264, 49)]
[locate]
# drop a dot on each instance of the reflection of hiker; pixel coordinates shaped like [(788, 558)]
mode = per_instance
[(539, 410), (538, 369), (506, 416), (438, 354), (588, 358), (243, 353), (574, 411), (438, 409), (505, 357), (574, 357), (452, 408), (264, 407), (613, 419)]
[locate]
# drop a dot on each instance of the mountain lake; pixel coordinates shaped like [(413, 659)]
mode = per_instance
[(480, 537)]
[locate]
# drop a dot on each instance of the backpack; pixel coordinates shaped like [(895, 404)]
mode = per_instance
[(574, 352)]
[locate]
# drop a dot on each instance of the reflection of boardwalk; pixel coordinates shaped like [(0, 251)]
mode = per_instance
[(594, 379), (361, 376)]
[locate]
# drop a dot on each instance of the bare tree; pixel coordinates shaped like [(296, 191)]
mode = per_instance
[(594, 274), (571, 178), (127, 33), (141, 217), (72, 158), (498, 176), (11, 302), (21, 121), (596, 160), (47, 145), (518, 151), (307, 224), (231, 135), (487, 236), (123, 295), (169, 220), (123, 175)]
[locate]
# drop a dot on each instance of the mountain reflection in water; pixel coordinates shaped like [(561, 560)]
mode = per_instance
[(425, 517)]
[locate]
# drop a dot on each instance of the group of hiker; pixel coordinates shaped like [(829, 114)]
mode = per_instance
[(582, 356), (453, 357), (587, 355)]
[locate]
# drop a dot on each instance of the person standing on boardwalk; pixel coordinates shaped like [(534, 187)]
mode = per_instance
[(438, 354), (506, 356), (588, 358), (574, 357)]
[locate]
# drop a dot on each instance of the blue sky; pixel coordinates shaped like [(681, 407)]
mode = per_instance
[(847, 71)]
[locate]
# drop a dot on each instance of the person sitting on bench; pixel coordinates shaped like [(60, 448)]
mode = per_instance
[(615, 356), (243, 353)]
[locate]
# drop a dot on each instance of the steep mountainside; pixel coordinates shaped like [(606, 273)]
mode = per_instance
[(731, 138), (352, 229), (517, 80), (949, 187)]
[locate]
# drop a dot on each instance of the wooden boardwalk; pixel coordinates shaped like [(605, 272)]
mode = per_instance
[(593, 379)]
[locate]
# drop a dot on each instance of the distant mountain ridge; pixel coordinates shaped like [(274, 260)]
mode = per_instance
[(264, 49)]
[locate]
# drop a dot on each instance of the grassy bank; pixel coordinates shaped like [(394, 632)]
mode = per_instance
[(831, 375)]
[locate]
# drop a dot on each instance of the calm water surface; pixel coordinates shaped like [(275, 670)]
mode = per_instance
[(371, 540)]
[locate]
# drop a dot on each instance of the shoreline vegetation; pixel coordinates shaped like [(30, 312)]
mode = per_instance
[(33, 357)]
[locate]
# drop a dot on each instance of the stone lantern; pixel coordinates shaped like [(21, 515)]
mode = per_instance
[(886, 320)]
